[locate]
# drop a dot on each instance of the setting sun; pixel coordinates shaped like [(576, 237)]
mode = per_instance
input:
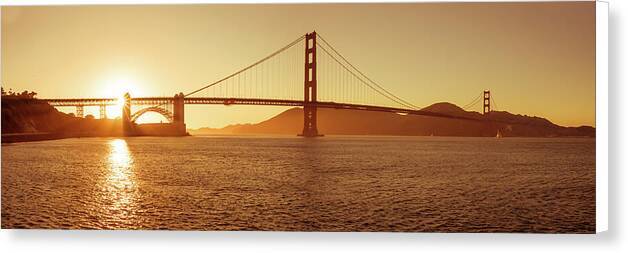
[(116, 87)]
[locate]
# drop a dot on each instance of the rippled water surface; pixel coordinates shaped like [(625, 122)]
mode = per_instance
[(290, 183)]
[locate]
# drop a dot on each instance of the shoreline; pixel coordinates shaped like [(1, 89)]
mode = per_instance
[(31, 137)]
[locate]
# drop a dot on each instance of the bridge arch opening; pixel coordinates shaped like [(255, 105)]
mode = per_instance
[(152, 115)]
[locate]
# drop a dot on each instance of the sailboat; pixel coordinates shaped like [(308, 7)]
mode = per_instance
[(499, 134)]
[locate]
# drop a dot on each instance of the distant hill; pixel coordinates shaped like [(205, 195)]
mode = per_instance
[(351, 122)]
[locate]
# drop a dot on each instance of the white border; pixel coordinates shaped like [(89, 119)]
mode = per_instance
[(613, 240), (88, 2), (601, 116), (602, 85)]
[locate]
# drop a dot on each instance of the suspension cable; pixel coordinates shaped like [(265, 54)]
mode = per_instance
[(248, 67), (365, 76), (493, 101), (360, 79), (473, 102)]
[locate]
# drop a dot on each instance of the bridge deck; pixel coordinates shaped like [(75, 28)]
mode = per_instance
[(242, 101)]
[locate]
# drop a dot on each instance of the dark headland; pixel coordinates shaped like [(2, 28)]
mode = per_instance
[(30, 119), (350, 122)]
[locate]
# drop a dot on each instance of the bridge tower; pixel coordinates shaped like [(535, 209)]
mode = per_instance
[(127, 125), (178, 114), (487, 102), (309, 99)]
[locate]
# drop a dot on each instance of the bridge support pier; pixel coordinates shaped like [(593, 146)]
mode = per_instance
[(127, 125), (309, 107), (103, 111), (178, 114), (79, 111)]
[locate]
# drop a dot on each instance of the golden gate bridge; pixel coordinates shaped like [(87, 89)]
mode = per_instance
[(317, 76)]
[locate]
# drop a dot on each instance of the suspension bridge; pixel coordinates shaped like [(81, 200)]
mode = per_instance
[(316, 76)]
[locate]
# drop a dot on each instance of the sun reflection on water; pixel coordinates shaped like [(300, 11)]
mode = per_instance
[(120, 183)]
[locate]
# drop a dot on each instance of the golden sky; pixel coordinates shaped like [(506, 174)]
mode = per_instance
[(536, 58)]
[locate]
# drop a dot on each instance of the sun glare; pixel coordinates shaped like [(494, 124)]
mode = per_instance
[(120, 184), (120, 101), (116, 88)]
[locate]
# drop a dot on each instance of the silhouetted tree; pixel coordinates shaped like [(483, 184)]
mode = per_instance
[(24, 94)]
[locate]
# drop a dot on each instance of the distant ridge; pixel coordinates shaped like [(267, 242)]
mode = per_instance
[(352, 122)]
